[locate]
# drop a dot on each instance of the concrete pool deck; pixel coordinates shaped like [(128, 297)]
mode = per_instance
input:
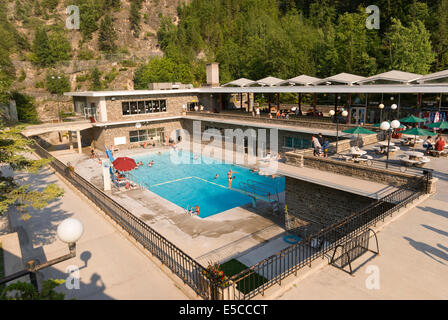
[(241, 232)]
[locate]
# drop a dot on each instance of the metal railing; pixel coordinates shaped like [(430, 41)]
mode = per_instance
[(180, 263), (263, 275)]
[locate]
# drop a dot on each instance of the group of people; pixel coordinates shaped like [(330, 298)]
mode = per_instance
[(430, 144), (320, 145)]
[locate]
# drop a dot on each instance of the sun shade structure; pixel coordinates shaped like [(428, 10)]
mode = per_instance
[(358, 130), (241, 82), (412, 119), (418, 132), (438, 77), (341, 78), (124, 164), (302, 80), (438, 125), (267, 82), (397, 76)]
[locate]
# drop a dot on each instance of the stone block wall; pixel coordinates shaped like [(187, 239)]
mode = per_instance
[(320, 204), (104, 136)]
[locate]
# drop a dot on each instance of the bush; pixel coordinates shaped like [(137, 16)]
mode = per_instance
[(26, 110), (57, 83), (86, 54)]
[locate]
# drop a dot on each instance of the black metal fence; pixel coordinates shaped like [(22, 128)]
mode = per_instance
[(256, 279), (191, 272)]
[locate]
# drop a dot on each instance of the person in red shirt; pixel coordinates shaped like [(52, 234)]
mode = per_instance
[(440, 144)]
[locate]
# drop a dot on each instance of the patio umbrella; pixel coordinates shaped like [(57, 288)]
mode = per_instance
[(412, 119), (124, 164), (358, 131), (438, 125), (418, 132)]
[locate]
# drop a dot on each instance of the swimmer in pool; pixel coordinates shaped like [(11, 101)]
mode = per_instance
[(217, 176), (230, 177)]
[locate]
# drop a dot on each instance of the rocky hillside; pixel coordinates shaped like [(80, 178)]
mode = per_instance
[(116, 69)]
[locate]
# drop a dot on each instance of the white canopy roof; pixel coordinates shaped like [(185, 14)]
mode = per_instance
[(394, 75), (302, 80), (241, 82), (345, 78), (433, 76), (267, 82)]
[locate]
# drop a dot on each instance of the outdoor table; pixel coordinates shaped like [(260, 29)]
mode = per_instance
[(414, 155), (357, 154), (383, 145)]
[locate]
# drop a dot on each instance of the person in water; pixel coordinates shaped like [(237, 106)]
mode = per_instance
[(230, 177), (217, 176)]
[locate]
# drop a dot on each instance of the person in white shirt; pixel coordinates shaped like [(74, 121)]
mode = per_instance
[(316, 145)]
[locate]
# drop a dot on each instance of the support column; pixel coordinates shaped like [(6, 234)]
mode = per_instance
[(278, 101), (78, 135), (241, 100), (300, 104), (70, 140), (315, 103), (220, 102)]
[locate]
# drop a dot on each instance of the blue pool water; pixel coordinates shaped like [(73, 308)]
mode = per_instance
[(191, 184)]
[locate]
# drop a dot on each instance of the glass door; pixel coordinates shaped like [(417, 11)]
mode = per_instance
[(358, 115)]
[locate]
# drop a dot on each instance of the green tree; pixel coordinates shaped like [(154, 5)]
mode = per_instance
[(107, 35), (135, 17), (26, 291), (41, 48), (96, 80), (409, 48), (57, 83), (26, 109), (13, 150), (440, 35)]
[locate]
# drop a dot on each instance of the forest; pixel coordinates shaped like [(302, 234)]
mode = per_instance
[(286, 38)]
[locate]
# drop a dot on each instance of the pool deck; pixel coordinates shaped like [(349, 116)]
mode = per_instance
[(240, 232)]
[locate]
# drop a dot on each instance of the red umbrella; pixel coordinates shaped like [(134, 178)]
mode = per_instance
[(124, 164)]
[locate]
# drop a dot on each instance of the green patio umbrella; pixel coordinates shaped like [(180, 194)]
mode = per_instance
[(438, 125), (378, 125), (412, 119), (358, 131), (417, 132)]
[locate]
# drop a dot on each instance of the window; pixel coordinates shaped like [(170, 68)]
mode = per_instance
[(125, 108), (143, 107), (157, 135), (297, 143)]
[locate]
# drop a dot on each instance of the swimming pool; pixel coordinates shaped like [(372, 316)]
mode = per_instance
[(188, 184)]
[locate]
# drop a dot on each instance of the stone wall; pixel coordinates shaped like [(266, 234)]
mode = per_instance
[(174, 104), (353, 170), (104, 136), (316, 204)]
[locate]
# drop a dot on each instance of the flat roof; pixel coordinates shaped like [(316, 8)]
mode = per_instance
[(390, 88)]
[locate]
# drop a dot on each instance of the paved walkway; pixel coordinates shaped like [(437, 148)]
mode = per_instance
[(413, 260), (110, 266)]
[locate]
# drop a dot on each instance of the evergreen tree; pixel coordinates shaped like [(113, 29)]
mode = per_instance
[(41, 48), (96, 80), (135, 17), (107, 35), (409, 48)]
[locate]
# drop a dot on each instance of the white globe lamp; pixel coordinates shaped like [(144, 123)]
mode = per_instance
[(394, 106), (344, 113), (395, 124), (331, 112), (385, 126), (70, 230), (381, 106)]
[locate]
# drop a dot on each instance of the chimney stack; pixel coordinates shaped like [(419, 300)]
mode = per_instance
[(212, 74)]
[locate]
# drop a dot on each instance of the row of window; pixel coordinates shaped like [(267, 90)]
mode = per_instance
[(297, 143), (156, 135), (143, 107)]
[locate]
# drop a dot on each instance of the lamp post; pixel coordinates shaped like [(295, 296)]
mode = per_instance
[(333, 113), (381, 106), (69, 231), (389, 128)]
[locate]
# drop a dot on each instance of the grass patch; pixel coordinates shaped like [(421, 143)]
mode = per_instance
[(249, 283)]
